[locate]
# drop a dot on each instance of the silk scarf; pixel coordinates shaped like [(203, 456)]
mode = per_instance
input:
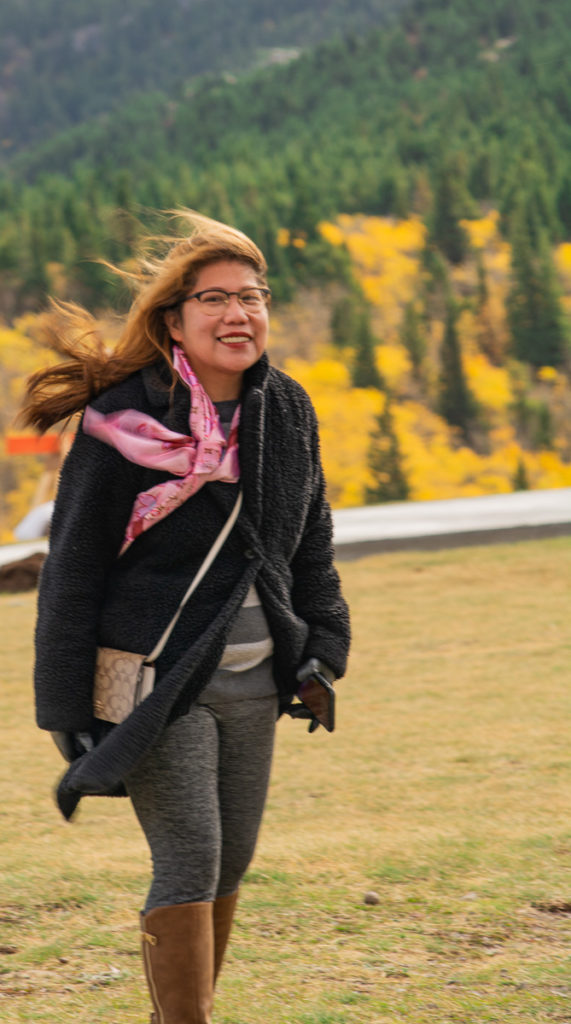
[(196, 458)]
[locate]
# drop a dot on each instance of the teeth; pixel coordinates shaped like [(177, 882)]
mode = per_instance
[(235, 339)]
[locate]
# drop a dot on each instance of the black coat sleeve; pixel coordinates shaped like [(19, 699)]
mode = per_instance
[(316, 590), (94, 501)]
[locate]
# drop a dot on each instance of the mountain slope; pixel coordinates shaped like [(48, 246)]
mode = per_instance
[(443, 103), (63, 61)]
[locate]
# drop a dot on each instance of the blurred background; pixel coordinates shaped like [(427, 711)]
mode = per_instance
[(405, 166)]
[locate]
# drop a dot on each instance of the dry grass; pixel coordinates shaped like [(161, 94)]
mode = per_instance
[(445, 790)]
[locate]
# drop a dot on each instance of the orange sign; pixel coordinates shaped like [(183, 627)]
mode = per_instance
[(32, 444)]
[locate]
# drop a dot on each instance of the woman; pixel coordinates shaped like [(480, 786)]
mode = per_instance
[(184, 413)]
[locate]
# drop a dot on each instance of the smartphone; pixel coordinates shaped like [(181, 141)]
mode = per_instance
[(317, 693)]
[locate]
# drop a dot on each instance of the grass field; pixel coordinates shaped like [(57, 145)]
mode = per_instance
[(445, 790)]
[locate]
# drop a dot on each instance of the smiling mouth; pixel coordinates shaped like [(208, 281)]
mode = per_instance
[(235, 339)]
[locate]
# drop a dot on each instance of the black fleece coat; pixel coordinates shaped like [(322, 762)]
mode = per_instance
[(89, 596)]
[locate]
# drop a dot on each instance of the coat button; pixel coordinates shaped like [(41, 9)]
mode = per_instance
[(248, 553)]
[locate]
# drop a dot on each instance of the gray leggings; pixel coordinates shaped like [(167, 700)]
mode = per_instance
[(199, 795)]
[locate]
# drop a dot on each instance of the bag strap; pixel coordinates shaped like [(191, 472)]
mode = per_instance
[(160, 646)]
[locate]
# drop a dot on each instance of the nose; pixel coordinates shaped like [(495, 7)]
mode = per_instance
[(234, 312)]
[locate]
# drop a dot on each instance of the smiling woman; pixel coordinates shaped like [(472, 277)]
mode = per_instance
[(190, 446), (223, 326)]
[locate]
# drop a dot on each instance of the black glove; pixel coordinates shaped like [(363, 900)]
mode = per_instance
[(301, 711), (72, 745)]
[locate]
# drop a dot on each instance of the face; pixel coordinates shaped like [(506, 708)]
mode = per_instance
[(220, 348)]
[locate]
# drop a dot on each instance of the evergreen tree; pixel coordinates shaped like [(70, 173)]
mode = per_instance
[(535, 317), (412, 337), (456, 403), (305, 211), (520, 478), (345, 321), (564, 205), (385, 462), (35, 278), (482, 293), (450, 205), (530, 201), (543, 426), (394, 193), (364, 372)]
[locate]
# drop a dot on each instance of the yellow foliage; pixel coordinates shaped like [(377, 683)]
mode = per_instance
[(386, 258), (394, 364), (482, 231), (498, 260), (437, 467), (409, 235), (490, 385), (385, 253), (548, 374), (284, 238), (548, 470), (331, 233), (347, 418), (327, 374), (19, 357), (563, 258)]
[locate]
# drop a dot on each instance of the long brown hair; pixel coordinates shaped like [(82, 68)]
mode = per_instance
[(167, 270)]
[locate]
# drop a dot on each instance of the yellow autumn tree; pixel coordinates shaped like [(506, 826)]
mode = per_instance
[(347, 418)]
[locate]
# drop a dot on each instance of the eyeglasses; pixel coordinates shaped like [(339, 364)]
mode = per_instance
[(214, 301)]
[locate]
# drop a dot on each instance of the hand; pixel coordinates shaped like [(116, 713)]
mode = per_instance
[(72, 745), (301, 711)]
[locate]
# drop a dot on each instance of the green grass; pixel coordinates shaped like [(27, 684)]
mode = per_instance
[(445, 790)]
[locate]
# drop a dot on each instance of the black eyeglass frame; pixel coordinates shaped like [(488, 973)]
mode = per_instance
[(196, 295)]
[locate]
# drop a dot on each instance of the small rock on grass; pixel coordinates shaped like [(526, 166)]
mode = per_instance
[(371, 898)]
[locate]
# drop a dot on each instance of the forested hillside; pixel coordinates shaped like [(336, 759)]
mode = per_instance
[(63, 61), (411, 188), (475, 99)]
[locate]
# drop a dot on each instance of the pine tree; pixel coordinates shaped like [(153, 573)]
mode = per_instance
[(564, 205), (385, 463), (482, 292), (35, 277), (529, 202), (305, 212), (456, 403), (364, 372), (345, 321), (450, 205), (412, 337), (535, 316), (520, 477)]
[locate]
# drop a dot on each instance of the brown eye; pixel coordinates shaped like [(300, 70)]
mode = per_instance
[(213, 299), (253, 298)]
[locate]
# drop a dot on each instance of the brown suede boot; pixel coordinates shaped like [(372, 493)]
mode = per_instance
[(223, 914), (178, 954)]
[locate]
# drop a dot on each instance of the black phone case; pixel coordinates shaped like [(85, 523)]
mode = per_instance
[(317, 693)]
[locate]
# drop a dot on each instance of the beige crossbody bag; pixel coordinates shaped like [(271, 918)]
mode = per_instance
[(123, 679)]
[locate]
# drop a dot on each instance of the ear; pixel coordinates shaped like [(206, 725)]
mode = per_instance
[(174, 324)]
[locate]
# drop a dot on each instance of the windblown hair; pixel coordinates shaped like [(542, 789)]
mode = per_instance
[(167, 272)]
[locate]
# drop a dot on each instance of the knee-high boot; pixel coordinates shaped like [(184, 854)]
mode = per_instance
[(178, 954), (223, 913)]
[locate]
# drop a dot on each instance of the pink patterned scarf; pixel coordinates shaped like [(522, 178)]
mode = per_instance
[(197, 458)]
